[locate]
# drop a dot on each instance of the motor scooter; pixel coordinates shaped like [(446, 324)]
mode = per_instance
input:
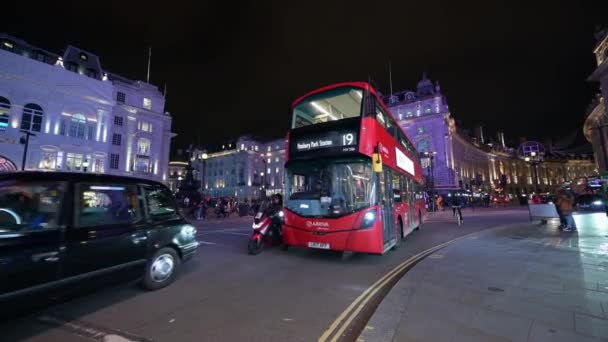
[(266, 228)]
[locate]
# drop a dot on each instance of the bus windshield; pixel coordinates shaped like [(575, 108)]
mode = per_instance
[(332, 105), (317, 189)]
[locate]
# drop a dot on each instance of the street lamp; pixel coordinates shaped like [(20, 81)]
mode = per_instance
[(25, 141), (204, 156), (430, 176), (532, 153)]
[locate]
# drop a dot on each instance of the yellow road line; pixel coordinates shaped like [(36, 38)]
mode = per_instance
[(369, 293), (368, 298)]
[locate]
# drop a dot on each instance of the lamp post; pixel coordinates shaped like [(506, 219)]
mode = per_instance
[(25, 141), (600, 128), (204, 178), (430, 176), (532, 153)]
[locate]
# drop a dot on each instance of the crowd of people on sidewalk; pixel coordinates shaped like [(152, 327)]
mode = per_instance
[(222, 207)]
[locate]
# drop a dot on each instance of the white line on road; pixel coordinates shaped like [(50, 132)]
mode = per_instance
[(206, 242), (88, 331)]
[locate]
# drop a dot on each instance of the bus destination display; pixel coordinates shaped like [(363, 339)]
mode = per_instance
[(346, 141)]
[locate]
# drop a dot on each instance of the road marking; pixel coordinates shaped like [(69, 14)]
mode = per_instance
[(89, 331), (436, 256), (361, 301), (206, 242)]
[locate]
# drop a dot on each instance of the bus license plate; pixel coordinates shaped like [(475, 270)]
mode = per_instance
[(320, 245)]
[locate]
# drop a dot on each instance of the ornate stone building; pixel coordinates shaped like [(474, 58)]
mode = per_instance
[(81, 117), (596, 122), (456, 160)]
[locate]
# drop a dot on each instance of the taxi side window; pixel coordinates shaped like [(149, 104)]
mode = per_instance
[(160, 203), (106, 204), (34, 206)]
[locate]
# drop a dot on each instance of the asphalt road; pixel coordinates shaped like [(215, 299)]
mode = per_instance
[(224, 294)]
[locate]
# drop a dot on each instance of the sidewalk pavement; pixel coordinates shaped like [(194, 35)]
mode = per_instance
[(526, 282)]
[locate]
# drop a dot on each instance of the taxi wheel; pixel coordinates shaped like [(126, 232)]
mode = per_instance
[(161, 269)]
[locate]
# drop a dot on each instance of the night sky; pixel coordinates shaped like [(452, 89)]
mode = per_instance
[(235, 67)]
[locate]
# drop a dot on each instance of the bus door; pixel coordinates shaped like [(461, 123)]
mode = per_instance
[(386, 201), (410, 203)]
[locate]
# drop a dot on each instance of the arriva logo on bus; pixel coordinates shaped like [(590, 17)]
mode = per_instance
[(317, 224)]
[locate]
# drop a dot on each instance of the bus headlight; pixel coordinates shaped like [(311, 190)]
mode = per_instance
[(598, 203), (368, 219)]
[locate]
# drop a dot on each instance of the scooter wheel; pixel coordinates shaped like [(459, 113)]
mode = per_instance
[(255, 246)]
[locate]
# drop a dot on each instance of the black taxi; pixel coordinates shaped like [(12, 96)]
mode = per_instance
[(58, 228)]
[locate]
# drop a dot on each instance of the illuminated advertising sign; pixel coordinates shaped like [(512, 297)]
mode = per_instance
[(405, 163)]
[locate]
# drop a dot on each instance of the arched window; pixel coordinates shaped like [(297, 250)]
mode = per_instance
[(31, 119), (5, 109), (77, 126), (423, 145), (143, 147), (142, 159)]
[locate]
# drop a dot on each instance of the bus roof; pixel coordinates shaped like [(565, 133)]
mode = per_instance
[(362, 85)]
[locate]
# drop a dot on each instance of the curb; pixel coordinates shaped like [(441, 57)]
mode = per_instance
[(376, 293), (388, 330)]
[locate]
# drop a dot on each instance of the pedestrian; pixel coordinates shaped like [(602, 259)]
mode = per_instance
[(562, 218), (186, 201), (566, 205), (199, 210)]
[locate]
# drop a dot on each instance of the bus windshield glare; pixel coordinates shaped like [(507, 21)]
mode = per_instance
[(332, 105), (328, 189)]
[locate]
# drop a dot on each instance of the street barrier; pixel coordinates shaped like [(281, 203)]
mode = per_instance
[(542, 211)]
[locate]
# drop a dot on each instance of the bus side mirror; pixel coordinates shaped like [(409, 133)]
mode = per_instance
[(377, 162)]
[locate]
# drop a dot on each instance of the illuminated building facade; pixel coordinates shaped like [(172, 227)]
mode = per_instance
[(245, 168), (596, 122), (473, 161), (84, 118)]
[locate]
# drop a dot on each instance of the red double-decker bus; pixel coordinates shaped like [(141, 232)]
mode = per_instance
[(353, 179)]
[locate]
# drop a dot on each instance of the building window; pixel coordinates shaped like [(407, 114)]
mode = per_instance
[(118, 120), (5, 109), (147, 103), (421, 130), (116, 139), (143, 147), (276, 170), (98, 165), (146, 127), (31, 119), (90, 130), (74, 162), (121, 97), (62, 125), (83, 56), (409, 114), (114, 158), (41, 56), (423, 145), (48, 160), (71, 66), (91, 73), (427, 109), (77, 126), (276, 160)]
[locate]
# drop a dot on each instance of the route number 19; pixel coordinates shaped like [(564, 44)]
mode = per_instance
[(348, 139)]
